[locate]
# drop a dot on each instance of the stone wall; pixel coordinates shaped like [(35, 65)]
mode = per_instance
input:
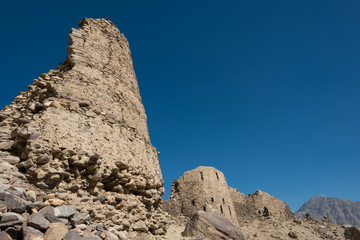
[(80, 132), (201, 189), (259, 205), (205, 189)]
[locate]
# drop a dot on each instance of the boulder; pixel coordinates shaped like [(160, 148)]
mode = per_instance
[(9, 216), (65, 211), (352, 233), (140, 226), (38, 221), (56, 231), (212, 225), (30, 233), (30, 196), (14, 203), (72, 235)]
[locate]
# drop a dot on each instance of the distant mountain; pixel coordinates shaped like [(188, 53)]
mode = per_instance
[(340, 211)]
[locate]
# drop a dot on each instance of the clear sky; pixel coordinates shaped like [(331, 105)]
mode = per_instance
[(266, 91)]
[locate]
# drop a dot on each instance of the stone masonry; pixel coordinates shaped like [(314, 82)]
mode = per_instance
[(201, 189), (205, 189), (80, 132)]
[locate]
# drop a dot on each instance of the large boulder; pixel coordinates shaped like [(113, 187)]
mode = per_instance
[(352, 233), (212, 225)]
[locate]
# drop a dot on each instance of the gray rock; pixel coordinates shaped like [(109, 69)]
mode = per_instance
[(65, 211), (22, 191), (30, 231), (11, 159), (4, 187), (213, 225), (64, 221), (72, 235), (36, 205), (79, 218), (52, 218), (47, 210), (8, 217), (3, 206), (14, 203), (19, 175), (10, 224), (37, 220), (101, 198), (91, 238)]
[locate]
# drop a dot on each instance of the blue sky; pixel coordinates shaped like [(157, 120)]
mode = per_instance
[(265, 91)]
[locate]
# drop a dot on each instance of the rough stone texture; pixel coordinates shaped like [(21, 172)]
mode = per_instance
[(8, 217), (13, 202), (267, 206), (5, 236), (38, 221), (339, 211), (213, 225), (79, 134), (56, 231), (205, 188), (80, 131), (352, 233), (30, 233), (65, 211), (72, 235), (201, 189)]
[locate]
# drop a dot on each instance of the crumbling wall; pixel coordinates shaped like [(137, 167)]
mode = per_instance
[(268, 205), (259, 205), (244, 207), (80, 132), (201, 189), (205, 188)]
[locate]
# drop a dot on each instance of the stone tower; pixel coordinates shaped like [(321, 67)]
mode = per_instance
[(80, 131), (205, 188), (201, 189)]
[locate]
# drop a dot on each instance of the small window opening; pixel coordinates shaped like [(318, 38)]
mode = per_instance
[(193, 202), (212, 199), (204, 208), (217, 176), (229, 210), (221, 209), (223, 201), (201, 175)]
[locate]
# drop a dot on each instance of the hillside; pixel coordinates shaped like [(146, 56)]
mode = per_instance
[(340, 211)]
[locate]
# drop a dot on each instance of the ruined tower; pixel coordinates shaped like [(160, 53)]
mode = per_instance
[(201, 189), (205, 188), (80, 131)]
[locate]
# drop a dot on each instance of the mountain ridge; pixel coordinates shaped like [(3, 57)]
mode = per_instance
[(339, 211)]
